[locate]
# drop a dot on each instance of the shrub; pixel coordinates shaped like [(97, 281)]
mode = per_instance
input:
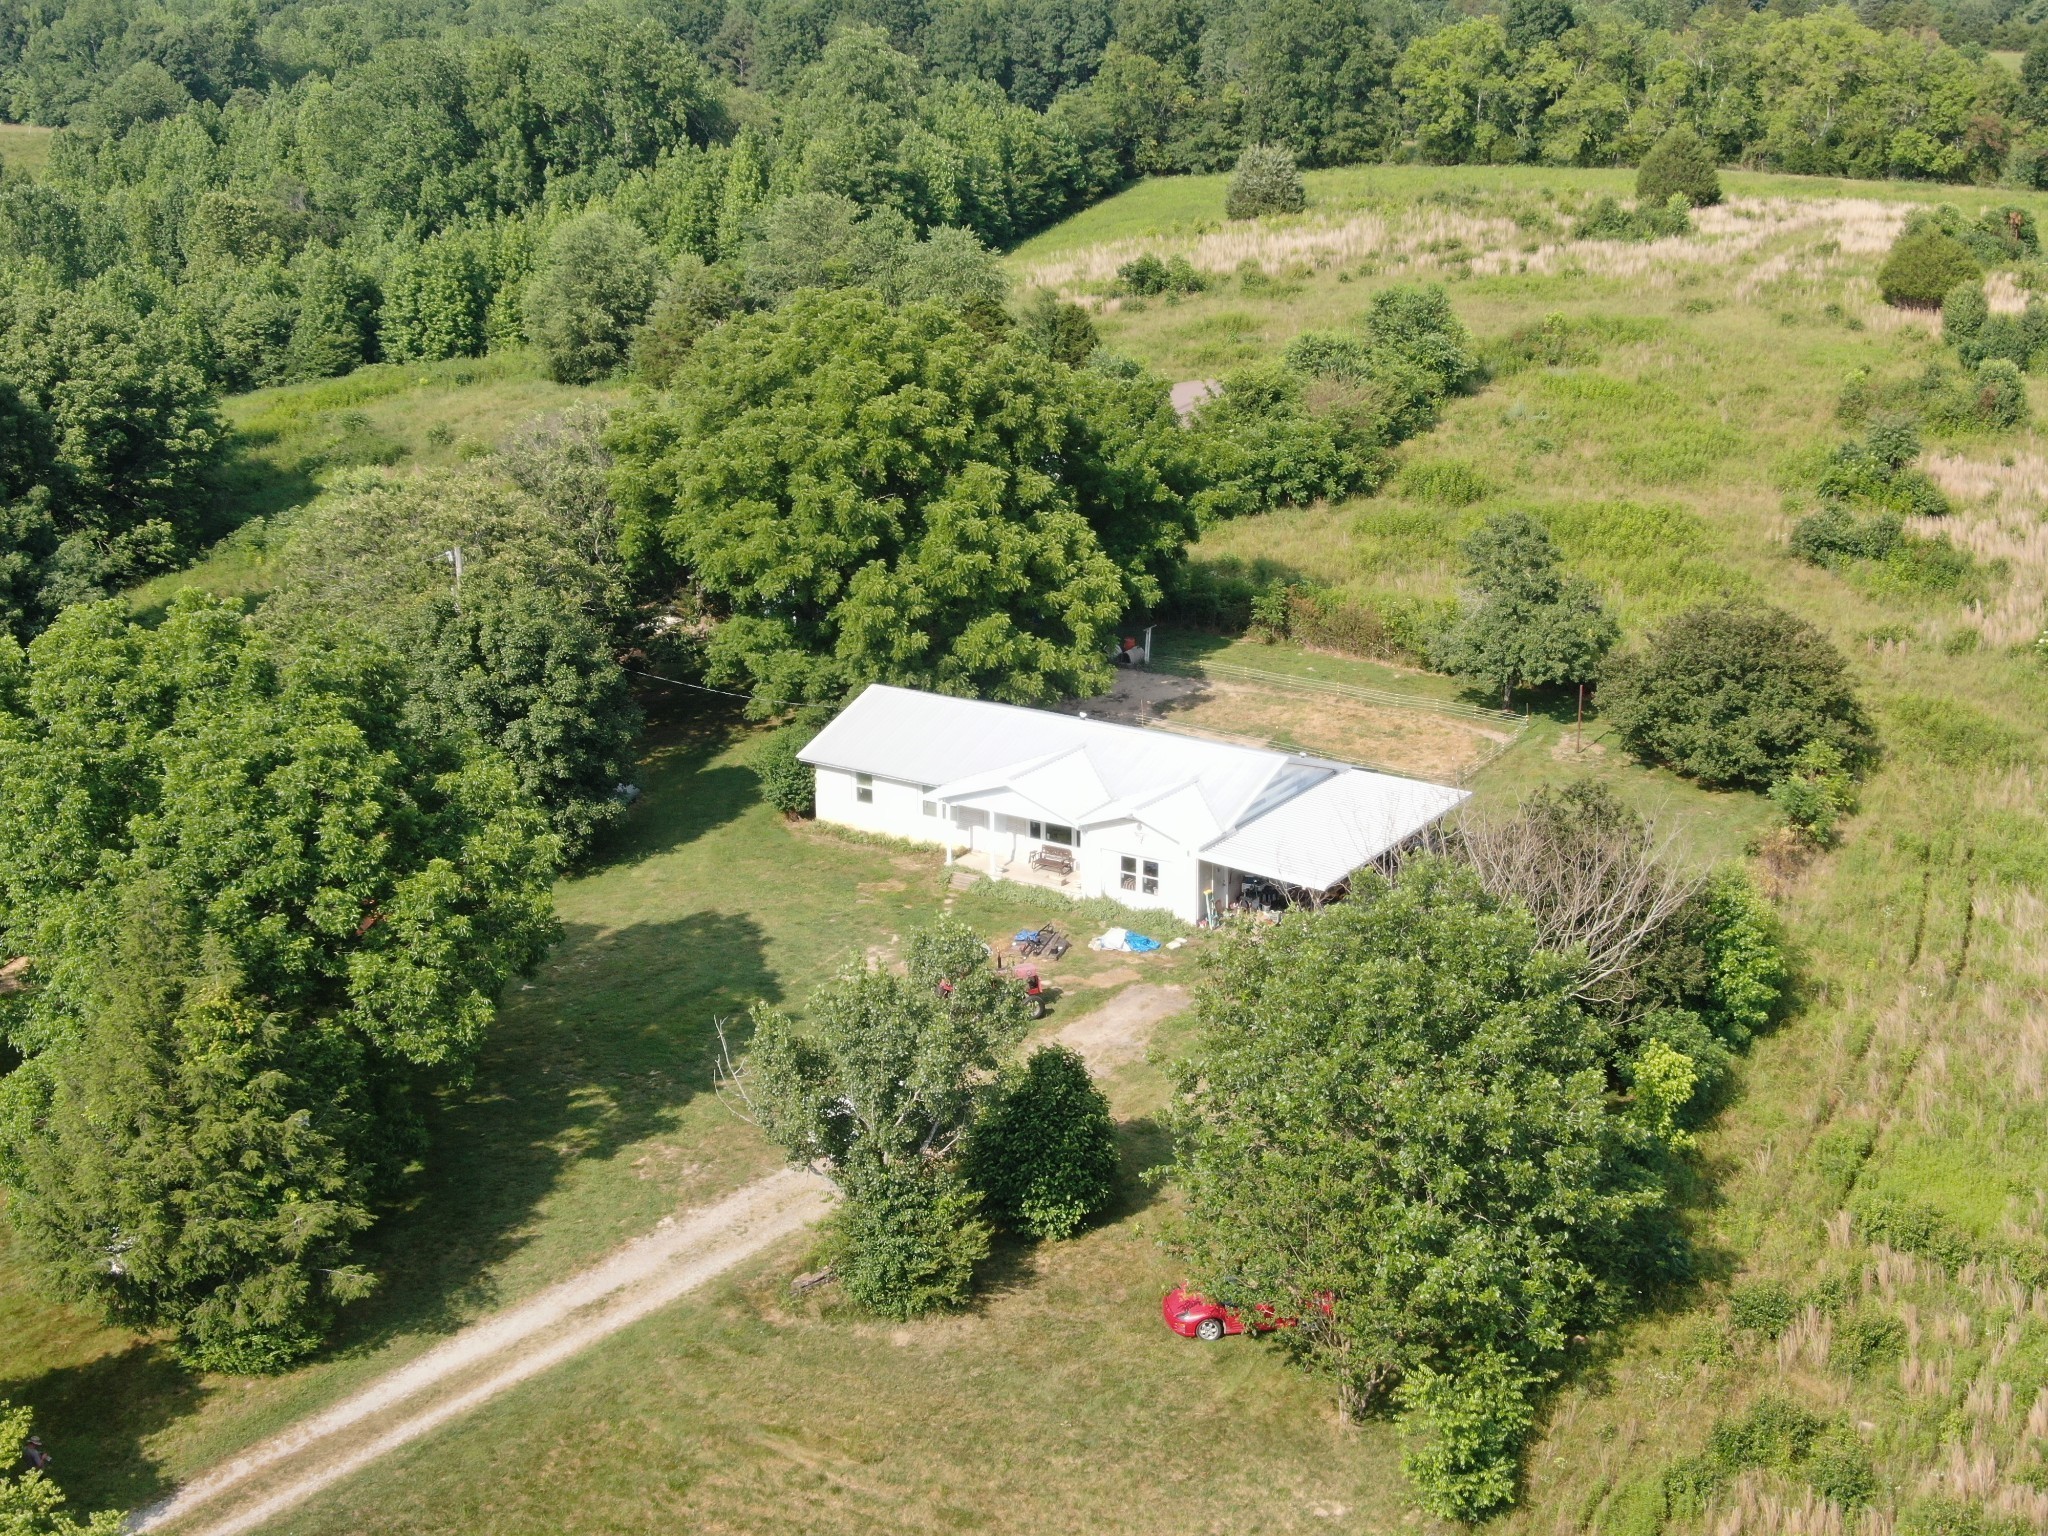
[(1258, 447), (1877, 472), (1044, 1155), (1835, 535), (2019, 339), (1147, 275), (1467, 1430), (1963, 311), (1838, 1467), (1264, 182), (1866, 1342), (1729, 694), (1679, 165), (1051, 327), (2001, 394), (1269, 614), (1762, 1306), (592, 287), (907, 1238), (788, 785), (1924, 264), (1606, 219), (1329, 355), (1816, 793), (1553, 342), (1945, 1516), (1775, 1433), (1447, 482)]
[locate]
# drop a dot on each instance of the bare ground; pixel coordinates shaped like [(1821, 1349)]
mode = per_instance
[(1118, 1031)]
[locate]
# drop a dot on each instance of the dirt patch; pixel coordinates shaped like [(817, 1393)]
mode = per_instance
[(1118, 1031), (1115, 977), (876, 887), (1411, 741)]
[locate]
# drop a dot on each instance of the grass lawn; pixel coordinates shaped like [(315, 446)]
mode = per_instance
[(1669, 457)]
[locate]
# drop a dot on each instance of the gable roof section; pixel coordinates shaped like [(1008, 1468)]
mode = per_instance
[(1302, 820), (1335, 826), (932, 739)]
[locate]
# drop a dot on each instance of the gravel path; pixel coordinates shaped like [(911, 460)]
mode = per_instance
[(497, 1353)]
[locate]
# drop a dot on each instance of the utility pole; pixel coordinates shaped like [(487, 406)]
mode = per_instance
[(1579, 726), (454, 558)]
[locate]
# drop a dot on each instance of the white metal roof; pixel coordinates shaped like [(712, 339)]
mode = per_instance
[(1299, 819), (1334, 827)]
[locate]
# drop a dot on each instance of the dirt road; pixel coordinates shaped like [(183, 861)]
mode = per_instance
[(491, 1356)]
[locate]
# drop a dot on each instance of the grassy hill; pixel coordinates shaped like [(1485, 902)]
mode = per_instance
[(1871, 1210)]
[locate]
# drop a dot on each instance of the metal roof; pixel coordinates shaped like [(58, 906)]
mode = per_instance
[(1286, 816), (1334, 827)]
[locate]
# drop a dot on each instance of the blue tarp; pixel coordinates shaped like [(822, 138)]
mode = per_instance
[(1140, 943)]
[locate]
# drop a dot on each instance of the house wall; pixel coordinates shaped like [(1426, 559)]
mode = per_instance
[(1103, 850), (896, 811)]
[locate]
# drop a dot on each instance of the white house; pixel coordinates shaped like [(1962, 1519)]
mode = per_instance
[(1149, 817)]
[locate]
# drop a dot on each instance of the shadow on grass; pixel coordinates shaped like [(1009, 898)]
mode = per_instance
[(579, 1076), (683, 797), (97, 1418)]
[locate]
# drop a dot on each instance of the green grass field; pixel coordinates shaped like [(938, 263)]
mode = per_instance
[(1670, 457), (25, 147)]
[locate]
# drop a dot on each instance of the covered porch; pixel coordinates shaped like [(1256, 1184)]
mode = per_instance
[(998, 865)]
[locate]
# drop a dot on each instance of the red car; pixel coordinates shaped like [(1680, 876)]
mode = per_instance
[(1193, 1316)]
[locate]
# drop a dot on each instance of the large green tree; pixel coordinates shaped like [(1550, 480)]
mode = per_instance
[(868, 494), (259, 915), (31, 1503), (1396, 1124)]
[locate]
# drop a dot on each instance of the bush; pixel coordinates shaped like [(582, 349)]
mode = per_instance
[(1467, 1430), (1044, 1155), (1877, 472), (1679, 165), (1606, 219), (1264, 182), (1867, 1342), (1730, 694), (1839, 1468), (1051, 327), (2019, 339), (1944, 1516), (1147, 275), (1258, 447), (1835, 535), (592, 287), (1816, 793), (1964, 311), (1762, 1306), (907, 1239), (1775, 1433), (1924, 264), (1329, 355), (788, 785), (2001, 394)]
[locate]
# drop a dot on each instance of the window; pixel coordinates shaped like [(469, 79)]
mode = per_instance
[(931, 808), (1129, 878), (1137, 877), (1053, 832), (1151, 881), (864, 788)]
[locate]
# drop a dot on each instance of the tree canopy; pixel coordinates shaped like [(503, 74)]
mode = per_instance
[(258, 914), (874, 494), (1395, 1125), (1529, 623), (1731, 694)]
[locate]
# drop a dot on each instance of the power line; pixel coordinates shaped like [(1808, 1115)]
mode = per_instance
[(723, 693)]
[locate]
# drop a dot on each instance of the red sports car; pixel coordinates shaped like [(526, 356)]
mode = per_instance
[(1193, 1316)]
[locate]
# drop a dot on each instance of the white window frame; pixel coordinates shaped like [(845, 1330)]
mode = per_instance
[(864, 788)]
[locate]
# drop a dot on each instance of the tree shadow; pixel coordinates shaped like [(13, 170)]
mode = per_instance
[(684, 795), (579, 1072), (97, 1418)]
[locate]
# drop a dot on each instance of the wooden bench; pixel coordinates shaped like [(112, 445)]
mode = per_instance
[(1047, 856)]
